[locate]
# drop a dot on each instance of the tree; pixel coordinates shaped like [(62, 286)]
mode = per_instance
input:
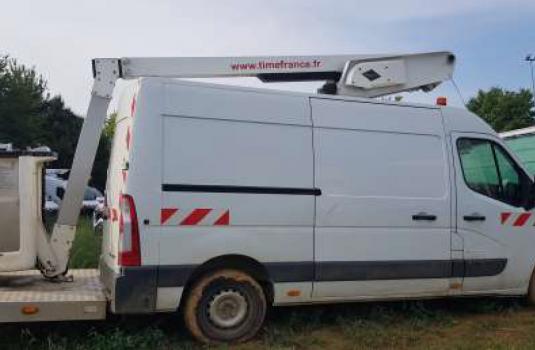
[(100, 168), (61, 131), (504, 110), (29, 118), (21, 96), (60, 120)]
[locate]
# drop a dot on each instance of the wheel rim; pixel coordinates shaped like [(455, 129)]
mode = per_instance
[(227, 309)]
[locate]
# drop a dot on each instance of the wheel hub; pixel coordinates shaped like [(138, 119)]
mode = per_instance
[(227, 309)]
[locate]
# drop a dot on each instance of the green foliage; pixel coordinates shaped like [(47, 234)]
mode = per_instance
[(504, 110), (29, 117), (85, 251), (21, 98), (100, 167), (61, 131), (113, 338)]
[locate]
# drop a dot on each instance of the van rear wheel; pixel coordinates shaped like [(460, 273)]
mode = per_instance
[(225, 306)]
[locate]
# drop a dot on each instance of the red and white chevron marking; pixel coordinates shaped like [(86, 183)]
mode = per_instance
[(516, 219), (194, 217)]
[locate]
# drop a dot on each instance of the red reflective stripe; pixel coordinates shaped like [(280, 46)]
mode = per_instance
[(522, 218), (505, 216), (196, 216), (223, 220), (166, 213), (113, 214), (133, 106)]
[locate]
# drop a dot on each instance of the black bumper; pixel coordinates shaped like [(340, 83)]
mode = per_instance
[(132, 291)]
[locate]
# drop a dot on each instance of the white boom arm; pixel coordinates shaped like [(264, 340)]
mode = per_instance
[(355, 75)]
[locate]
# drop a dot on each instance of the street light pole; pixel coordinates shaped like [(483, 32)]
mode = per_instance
[(530, 59)]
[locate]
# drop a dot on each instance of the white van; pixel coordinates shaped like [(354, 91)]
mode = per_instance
[(226, 200)]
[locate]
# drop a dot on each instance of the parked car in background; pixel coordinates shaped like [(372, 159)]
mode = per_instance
[(55, 187), (6, 147), (51, 206)]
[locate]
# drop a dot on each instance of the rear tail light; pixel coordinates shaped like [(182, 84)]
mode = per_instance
[(129, 245)]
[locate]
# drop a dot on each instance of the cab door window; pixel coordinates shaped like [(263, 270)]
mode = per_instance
[(488, 169)]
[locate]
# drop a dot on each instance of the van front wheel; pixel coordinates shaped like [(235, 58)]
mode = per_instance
[(225, 306)]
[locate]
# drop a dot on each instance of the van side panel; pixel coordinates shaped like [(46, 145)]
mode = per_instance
[(232, 155), (237, 180), (377, 166), (210, 101)]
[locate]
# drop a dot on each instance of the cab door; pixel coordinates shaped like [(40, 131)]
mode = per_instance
[(496, 229)]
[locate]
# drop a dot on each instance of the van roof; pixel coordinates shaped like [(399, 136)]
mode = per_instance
[(456, 119), (183, 82)]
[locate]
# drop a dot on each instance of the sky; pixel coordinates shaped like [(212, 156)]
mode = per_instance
[(59, 37)]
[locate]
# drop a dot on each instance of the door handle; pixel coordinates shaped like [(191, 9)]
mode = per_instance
[(474, 217), (424, 217)]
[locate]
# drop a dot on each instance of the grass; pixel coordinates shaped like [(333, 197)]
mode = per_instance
[(86, 248), (463, 324), (446, 324), (85, 251)]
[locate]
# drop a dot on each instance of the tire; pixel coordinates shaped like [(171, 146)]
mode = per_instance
[(225, 306), (530, 297)]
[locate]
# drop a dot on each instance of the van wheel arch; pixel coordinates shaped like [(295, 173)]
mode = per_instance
[(243, 263)]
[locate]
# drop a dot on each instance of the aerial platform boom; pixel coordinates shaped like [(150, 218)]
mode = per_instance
[(352, 75)]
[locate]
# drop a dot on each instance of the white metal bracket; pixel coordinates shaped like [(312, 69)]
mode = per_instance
[(55, 256), (380, 76), (106, 71)]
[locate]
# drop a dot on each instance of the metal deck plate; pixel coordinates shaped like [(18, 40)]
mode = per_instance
[(82, 299)]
